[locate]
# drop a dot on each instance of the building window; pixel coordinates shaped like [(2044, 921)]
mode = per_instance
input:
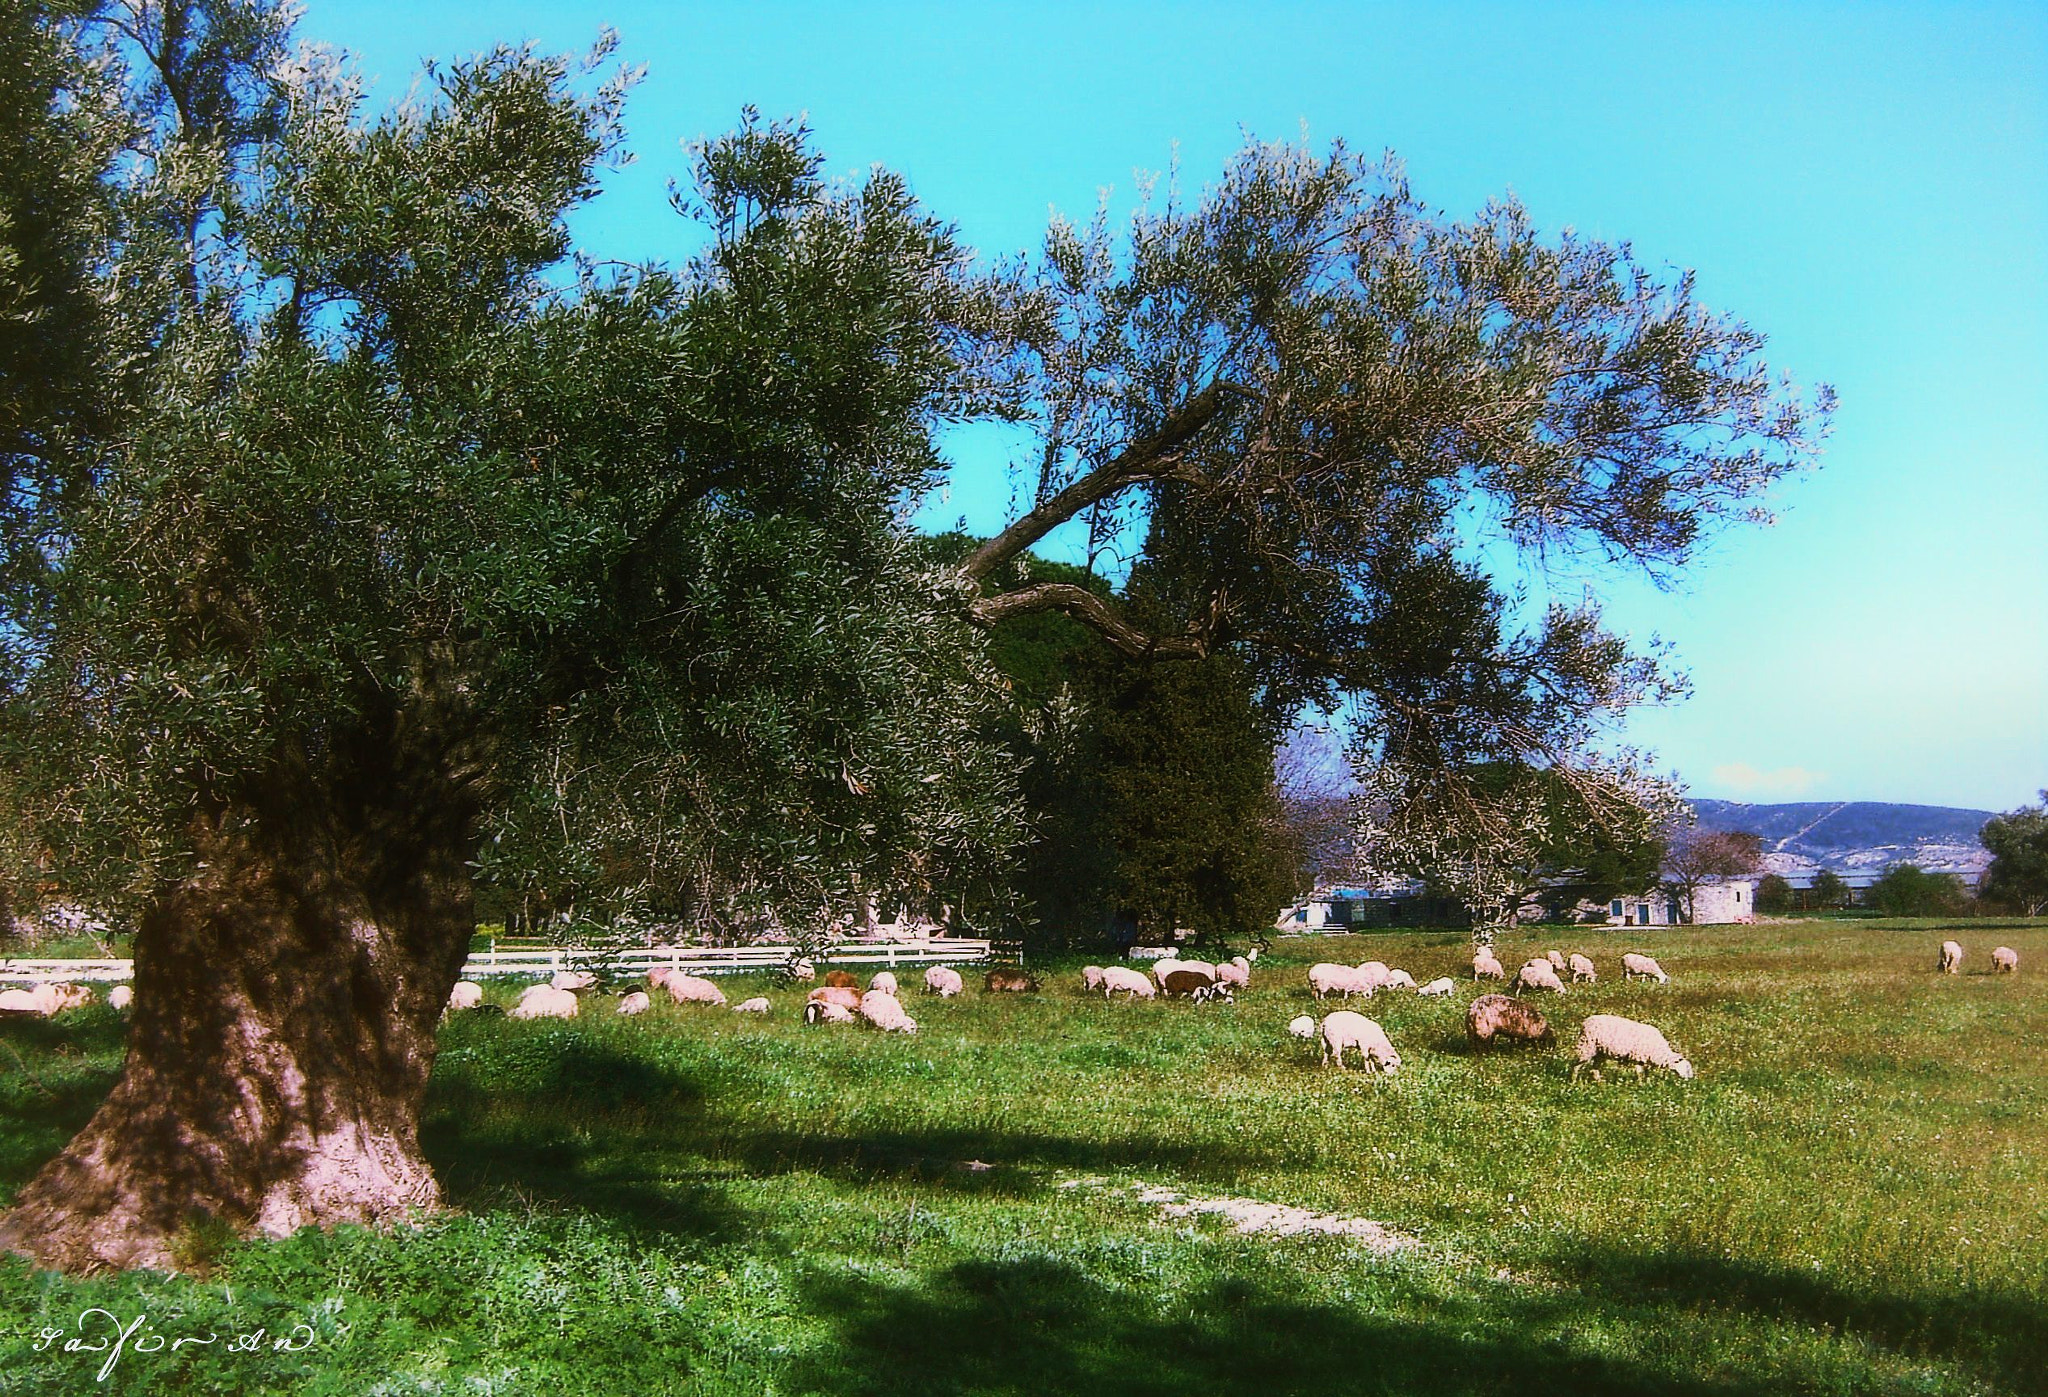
[(1617, 907)]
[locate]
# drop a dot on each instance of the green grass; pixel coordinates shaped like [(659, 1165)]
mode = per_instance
[(1851, 1198)]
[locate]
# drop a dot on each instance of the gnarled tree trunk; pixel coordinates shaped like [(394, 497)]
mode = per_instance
[(286, 998)]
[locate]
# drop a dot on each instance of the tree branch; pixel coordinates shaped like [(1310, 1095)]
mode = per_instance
[(1145, 459), (1095, 613)]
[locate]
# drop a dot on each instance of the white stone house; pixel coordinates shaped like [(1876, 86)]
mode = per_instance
[(1724, 902)]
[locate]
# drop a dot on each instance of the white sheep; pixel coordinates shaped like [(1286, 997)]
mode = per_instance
[(2004, 961), (757, 1005), (943, 981), (1325, 979), (1165, 967), (19, 1002), (1345, 1029), (1625, 1040), (635, 1003), (1136, 984), (121, 996), (1235, 971), (544, 1002), (692, 989), (1302, 1027), (1486, 966), (573, 980), (1372, 976), (1637, 966), (880, 1008), (1091, 978), (1951, 957), (1556, 959), (1538, 974), (1582, 970), (1439, 988), (802, 970), (883, 983), (827, 1011), (1400, 980), (467, 994), (49, 1000)]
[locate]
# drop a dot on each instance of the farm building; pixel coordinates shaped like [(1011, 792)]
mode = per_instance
[(1341, 909)]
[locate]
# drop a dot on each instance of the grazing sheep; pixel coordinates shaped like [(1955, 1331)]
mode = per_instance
[(1485, 966), (659, 976), (885, 983), (545, 1002), (1135, 983), (1091, 978), (1538, 974), (60, 997), (1582, 970), (1400, 980), (1951, 958), (1172, 964), (1217, 993), (881, 1008), (694, 989), (1186, 981), (573, 980), (1325, 979), (19, 1002), (2004, 961), (757, 1005), (1235, 971), (635, 1003), (1006, 979), (1372, 976), (467, 994), (1556, 959), (841, 979), (121, 996), (1635, 965), (1440, 988), (1493, 1016), (1625, 1040), (943, 981), (1302, 1027), (1345, 1029), (826, 1011)]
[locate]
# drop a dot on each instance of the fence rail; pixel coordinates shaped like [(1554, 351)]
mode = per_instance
[(27, 969)]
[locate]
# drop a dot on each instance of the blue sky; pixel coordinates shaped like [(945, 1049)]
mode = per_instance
[(1865, 183)]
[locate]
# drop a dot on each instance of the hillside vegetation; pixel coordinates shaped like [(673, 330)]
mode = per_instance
[(1849, 1199)]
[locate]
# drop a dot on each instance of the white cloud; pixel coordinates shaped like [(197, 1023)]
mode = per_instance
[(1784, 781)]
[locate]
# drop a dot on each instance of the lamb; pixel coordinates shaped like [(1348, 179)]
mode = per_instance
[(467, 994), (1400, 980), (827, 1011), (1625, 1040), (1582, 970), (635, 1003), (573, 980), (1440, 988), (693, 989), (1135, 983), (1951, 958), (1325, 979), (1217, 993), (884, 983), (545, 1002), (1235, 971), (2004, 961), (1538, 975), (121, 996), (1634, 965), (1556, 959), (1345, 1029), (1091, 978), (881, 1008), (1008, 980), (1498, 1016), (801, 970), (1486, 967), (943, 981), (757, 1005), (1302, 1027)]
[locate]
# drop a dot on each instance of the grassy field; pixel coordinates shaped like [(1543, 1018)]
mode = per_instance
[(1851, 1198)]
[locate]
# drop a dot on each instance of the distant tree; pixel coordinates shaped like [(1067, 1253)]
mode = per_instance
[(1907, 890), (1828, 892), (1773, 895), (2018, 841), (1698, 857)]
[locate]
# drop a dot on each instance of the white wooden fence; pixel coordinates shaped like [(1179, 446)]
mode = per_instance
[(26, 970)]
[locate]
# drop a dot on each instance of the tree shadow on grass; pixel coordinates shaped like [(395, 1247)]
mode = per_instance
[(1996, 1332), (1042, 1325)]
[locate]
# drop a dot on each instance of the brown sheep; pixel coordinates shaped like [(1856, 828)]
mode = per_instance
[(1184, 982), (841, 979), (1493, 1016), (1005, 979)]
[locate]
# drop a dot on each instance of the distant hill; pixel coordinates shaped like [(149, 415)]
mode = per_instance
[(1855, 836)]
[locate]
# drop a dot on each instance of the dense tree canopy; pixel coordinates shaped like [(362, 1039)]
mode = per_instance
[(2018, 841), (364, 537)]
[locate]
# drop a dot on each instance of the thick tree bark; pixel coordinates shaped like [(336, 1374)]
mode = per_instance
[(286, 998)]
